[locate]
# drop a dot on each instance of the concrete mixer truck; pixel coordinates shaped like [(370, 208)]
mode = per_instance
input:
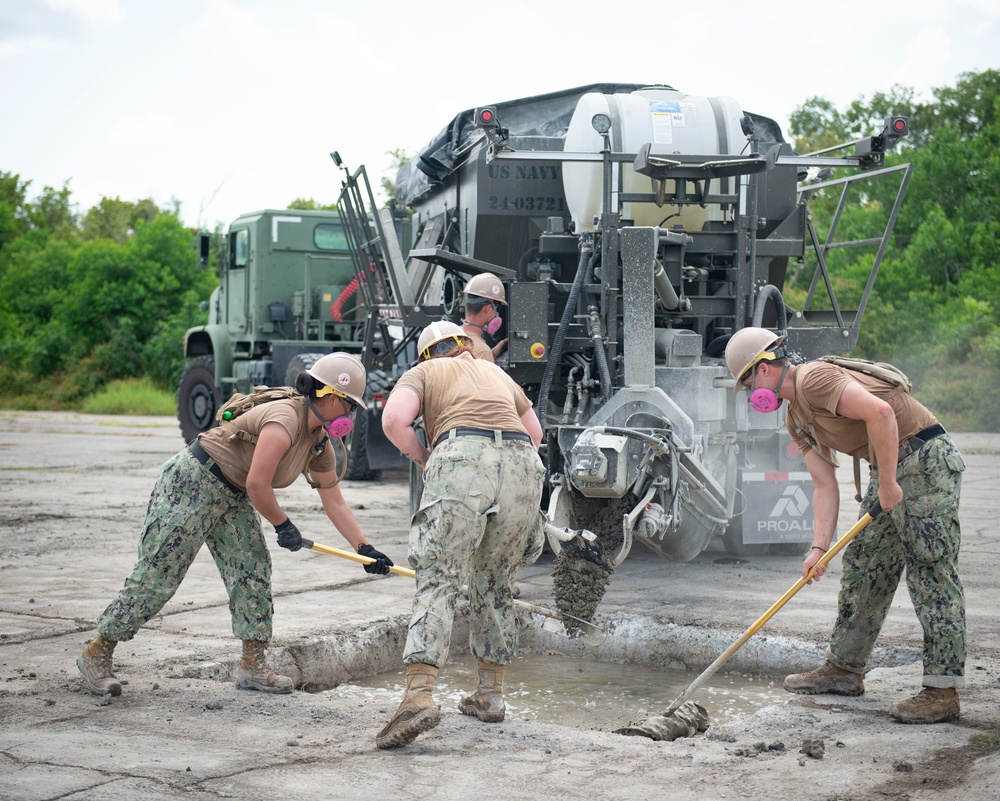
[(635, 228)]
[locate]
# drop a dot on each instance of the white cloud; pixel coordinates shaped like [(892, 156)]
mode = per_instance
[(96, 13)]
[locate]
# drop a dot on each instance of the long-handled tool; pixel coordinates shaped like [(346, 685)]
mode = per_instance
[(798, 585), (583, 630)]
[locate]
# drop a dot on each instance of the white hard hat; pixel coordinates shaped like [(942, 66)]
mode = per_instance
[(486, 285), (437, 332), (747, 347), (342, 374)]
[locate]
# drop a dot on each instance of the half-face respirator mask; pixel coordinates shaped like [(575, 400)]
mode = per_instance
[(339, 427), (763, 399)]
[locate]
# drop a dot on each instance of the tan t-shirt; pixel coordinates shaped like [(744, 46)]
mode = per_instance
[(481, 350), (465, 392), (233, 455), (813, 414)]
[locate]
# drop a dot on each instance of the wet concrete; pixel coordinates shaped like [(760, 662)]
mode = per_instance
[(73, 491)]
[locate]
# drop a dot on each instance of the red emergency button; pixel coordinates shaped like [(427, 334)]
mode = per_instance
[(538, 350)]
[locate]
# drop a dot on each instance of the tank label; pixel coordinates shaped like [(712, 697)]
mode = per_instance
[(666, 115)]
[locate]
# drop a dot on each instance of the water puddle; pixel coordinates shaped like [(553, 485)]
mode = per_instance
[(583, 694)]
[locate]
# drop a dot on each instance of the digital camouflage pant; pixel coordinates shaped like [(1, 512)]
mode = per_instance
[(922, 536), (479, 518), (189, 507)]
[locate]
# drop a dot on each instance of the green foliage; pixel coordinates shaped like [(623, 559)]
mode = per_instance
[(934, 312), (132, 396), (86, 302), (397, 158), (308, 204), (117, 219)]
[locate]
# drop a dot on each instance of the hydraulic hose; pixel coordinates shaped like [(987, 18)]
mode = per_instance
[(770, 291), (597, 337), (583, 268)]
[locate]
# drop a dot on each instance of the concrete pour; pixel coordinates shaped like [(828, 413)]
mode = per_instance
[(73, 491)]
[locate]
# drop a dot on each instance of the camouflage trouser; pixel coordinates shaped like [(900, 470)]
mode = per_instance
[(190, 507), (922, 535), (479, 517)]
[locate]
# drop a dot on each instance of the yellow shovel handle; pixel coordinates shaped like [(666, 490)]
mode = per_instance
[(354, 557)]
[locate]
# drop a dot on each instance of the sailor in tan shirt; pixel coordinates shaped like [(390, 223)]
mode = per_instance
[(916, 479)]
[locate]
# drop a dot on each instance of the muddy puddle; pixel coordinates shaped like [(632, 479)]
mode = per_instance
[(582, 694)]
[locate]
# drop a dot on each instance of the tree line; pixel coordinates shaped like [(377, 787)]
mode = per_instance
[(86, 298)]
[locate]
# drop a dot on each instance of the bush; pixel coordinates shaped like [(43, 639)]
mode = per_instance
[(132, 396)]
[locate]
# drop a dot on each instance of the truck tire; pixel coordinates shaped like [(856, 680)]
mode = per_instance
[(358, 468), (732, 539), (197, 400)]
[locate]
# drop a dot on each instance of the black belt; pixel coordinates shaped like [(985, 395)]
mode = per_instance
[(203, 457), (918, 440), (482, 432)]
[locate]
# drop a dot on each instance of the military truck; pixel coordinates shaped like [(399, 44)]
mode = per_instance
[(637, 228), (287, 295)]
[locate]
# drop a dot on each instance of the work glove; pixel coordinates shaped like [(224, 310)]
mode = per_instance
[(381, 564), (288, 535)]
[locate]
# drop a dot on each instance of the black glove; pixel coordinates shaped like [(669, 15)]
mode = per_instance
[(288, 535), (381, 564)]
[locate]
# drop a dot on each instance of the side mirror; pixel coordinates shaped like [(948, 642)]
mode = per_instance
[(204, 248)]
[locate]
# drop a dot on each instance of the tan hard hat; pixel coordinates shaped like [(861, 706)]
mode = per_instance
[(437, 332), (342, 374), (486, 285), (747, 347)]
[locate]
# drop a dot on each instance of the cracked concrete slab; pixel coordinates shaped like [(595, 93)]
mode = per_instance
[(73, 491)]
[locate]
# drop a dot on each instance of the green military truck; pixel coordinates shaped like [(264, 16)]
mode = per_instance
[(287, 295)]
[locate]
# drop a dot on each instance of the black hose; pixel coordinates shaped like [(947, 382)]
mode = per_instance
[(587, 257), (597, 335), (770, 291)]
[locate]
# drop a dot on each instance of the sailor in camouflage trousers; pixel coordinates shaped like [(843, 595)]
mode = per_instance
[(478, 521), (916, 479), (922, 536), (214, 492)]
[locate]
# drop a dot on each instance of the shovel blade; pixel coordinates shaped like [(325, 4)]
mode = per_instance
[(585, 632)]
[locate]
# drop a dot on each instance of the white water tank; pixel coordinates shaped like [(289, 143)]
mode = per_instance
[(675, 123)]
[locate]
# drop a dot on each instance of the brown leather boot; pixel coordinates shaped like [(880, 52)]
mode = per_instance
[(827, 678), (95, 665), (252, 672), (417, 713), (487, 702), (931, 705)]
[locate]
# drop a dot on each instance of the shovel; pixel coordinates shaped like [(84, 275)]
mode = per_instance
[(836, 548), (583, 544), (585, 631)]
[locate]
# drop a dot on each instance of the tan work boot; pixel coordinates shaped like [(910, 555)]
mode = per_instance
[(827, 678), (487, 702), (931, 705), (95, 665), (417, 713), (252, 672)]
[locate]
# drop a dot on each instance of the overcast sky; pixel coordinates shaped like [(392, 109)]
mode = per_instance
[(234, 105)]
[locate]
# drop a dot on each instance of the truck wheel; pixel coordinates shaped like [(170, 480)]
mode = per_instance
[(197, 401), (416, 479), (733, 540), (298, 363), (358, 468)]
